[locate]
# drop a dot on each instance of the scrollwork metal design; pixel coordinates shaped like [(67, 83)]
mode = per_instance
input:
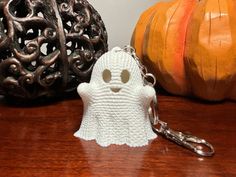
[(48, 47)]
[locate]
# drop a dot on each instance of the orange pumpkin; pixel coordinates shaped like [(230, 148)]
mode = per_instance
[(190, 46)]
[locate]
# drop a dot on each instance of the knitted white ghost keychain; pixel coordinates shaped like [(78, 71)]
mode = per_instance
[(120, 105)]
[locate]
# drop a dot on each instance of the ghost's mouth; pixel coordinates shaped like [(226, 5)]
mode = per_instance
[(115, 89)]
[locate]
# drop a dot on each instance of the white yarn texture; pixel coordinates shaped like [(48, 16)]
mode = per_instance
[(121, 116)]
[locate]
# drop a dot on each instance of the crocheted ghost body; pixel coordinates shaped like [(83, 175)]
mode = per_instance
[(116, 103)]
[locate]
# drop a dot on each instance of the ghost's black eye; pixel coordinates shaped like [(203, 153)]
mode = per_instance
[(125, 75), (106, 75)]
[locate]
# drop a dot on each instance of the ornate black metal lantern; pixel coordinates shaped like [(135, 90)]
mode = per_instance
[(48, 47)]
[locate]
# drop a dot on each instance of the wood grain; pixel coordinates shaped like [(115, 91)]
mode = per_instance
[(38, 142)]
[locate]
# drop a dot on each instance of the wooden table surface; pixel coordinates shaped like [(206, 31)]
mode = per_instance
[(38, 141)]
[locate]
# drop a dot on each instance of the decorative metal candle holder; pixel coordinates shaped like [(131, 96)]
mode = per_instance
[(48, 47)]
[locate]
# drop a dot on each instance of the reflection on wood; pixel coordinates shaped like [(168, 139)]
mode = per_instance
[(39, 141)]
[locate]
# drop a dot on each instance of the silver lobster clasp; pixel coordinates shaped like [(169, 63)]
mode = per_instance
[(193, 143)]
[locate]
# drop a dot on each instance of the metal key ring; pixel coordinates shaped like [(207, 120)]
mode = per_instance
[(149, 75), (129, 49)]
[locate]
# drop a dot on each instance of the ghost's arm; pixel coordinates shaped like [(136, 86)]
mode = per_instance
[(146, 94), (85, 91)]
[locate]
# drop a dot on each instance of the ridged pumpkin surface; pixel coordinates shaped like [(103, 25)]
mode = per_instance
[(191, 46)]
